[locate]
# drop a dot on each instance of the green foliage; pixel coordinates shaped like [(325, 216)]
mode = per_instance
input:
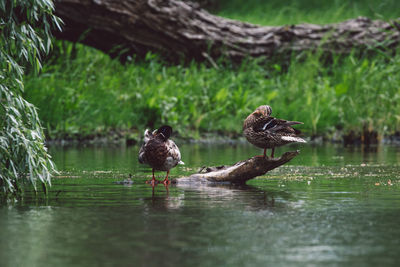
[(23, 155), (350, 93), (91, 93), (277, 12)]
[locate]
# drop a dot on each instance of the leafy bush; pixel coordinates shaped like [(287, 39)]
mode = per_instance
[(91, 93)]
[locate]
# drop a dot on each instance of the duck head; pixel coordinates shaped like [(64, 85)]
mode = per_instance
[(164, 132), (261, 111)]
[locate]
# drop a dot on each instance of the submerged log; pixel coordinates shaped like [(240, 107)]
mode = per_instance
[(180, 30), (238, 173)]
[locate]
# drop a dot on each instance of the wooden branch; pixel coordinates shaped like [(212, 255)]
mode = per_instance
[(238, 173), (179, 30)]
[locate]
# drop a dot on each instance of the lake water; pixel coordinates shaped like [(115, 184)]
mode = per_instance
[(331, 205)]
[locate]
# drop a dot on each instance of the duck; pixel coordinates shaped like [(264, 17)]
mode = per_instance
[(160, 152), (267, 132)]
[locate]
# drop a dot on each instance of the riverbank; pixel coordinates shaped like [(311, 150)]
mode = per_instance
[(133, 137)]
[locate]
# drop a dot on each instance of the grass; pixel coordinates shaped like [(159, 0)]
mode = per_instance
[(277, 12), (93, 94), (82, 92)]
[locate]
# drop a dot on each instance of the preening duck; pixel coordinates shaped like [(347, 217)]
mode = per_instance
[(160, 152), (265, 131)]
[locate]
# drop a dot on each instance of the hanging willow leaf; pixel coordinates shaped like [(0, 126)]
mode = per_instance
[(24, 25)]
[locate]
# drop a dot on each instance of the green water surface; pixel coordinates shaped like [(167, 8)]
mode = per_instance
[(331, 205)]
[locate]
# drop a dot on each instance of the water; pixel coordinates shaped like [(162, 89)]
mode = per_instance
[(330, 205)]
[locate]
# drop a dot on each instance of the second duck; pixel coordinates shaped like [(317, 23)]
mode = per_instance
[(265, 131)]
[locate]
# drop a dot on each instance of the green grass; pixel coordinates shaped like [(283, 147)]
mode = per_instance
[(278, 12), (93, 94), (83, 92)]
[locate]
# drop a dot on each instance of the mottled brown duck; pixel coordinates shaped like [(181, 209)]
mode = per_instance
[(265, 131), (160, 152)]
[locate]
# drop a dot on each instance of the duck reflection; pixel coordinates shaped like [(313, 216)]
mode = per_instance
[(181, 195)]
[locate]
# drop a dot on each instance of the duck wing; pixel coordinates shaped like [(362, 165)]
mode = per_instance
[(260, 123), (147, 136), (272, 124), (173, 153), (142, 156)]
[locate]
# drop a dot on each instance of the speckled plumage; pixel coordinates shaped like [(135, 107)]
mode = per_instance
[(158, 151), (265, 131)]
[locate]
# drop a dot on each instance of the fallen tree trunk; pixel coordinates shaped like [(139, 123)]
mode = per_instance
[(179, 30), (238, 173)]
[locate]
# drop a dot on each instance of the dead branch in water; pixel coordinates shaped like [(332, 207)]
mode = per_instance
[(238, 173)]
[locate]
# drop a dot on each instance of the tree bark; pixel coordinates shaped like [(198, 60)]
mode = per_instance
[(238, 173), (180, 30)]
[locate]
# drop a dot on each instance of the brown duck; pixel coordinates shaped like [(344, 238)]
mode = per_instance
[(265, 131), (160, 152)]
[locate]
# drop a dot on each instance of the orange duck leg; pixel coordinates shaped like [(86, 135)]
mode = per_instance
[(166, 181), (153, 181)]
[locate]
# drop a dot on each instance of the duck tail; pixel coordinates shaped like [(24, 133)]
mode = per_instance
[(289, 123), (293, 139), (283, 125), (142, 158)]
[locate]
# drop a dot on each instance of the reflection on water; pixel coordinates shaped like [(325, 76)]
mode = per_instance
[(331, 205)]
